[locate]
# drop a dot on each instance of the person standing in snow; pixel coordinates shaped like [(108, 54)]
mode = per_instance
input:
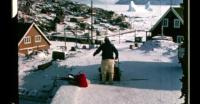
[(107, 63)]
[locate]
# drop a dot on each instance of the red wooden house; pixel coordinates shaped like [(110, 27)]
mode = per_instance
[(31, 38), (170, 24)]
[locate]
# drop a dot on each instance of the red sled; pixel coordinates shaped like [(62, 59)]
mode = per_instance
[(82, 80)]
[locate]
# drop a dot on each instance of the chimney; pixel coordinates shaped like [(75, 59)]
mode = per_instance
[(182, 5)]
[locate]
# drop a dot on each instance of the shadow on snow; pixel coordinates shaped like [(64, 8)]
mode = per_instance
[(142, 75)]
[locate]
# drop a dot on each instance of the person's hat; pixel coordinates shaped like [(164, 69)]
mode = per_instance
[(106, 40)]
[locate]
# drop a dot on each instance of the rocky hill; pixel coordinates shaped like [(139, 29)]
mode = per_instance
[(47, 13)]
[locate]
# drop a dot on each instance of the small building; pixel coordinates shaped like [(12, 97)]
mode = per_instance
[(170, 24), (77, 19), (101, 32), (31, 38)]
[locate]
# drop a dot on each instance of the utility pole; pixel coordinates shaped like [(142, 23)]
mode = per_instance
[(92, 22), (65, 38), (135, 35), (119, 36), (162, 30), (106, 30), (146, 35), (76, 37)]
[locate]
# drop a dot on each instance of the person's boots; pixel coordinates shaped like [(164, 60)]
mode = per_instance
[(111, 75), (103, 76)]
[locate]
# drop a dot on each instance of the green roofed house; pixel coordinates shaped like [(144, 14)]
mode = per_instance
[(30, 38), (170, 24)]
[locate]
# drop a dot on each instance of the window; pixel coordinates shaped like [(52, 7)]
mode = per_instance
[(180, 39), (165, 22), (27, 40), (37, 38), (176, 23)]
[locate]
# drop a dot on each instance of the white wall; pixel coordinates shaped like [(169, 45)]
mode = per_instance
[(14, 8)]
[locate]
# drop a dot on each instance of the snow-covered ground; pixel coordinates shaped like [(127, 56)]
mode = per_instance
[(150, 73), (141, 18)]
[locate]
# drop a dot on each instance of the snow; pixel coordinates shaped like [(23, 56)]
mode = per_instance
[(45, 16), (141, 18), (160, 70), (150, 73), (60, 27)]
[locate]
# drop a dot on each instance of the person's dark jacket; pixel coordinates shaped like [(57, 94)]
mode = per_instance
[(107, 50)]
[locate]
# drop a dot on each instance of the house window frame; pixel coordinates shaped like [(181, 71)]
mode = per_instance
[(177, 23), (37, 38), (165, 22), (27, 40), (179, 38)]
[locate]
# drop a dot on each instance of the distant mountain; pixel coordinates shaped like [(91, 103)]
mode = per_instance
[(137, 2)]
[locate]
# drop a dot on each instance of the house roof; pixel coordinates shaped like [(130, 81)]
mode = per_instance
[(23, 29), (178, 11)]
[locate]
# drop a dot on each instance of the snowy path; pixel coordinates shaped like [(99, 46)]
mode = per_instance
[(150, 75), (161, 83)]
